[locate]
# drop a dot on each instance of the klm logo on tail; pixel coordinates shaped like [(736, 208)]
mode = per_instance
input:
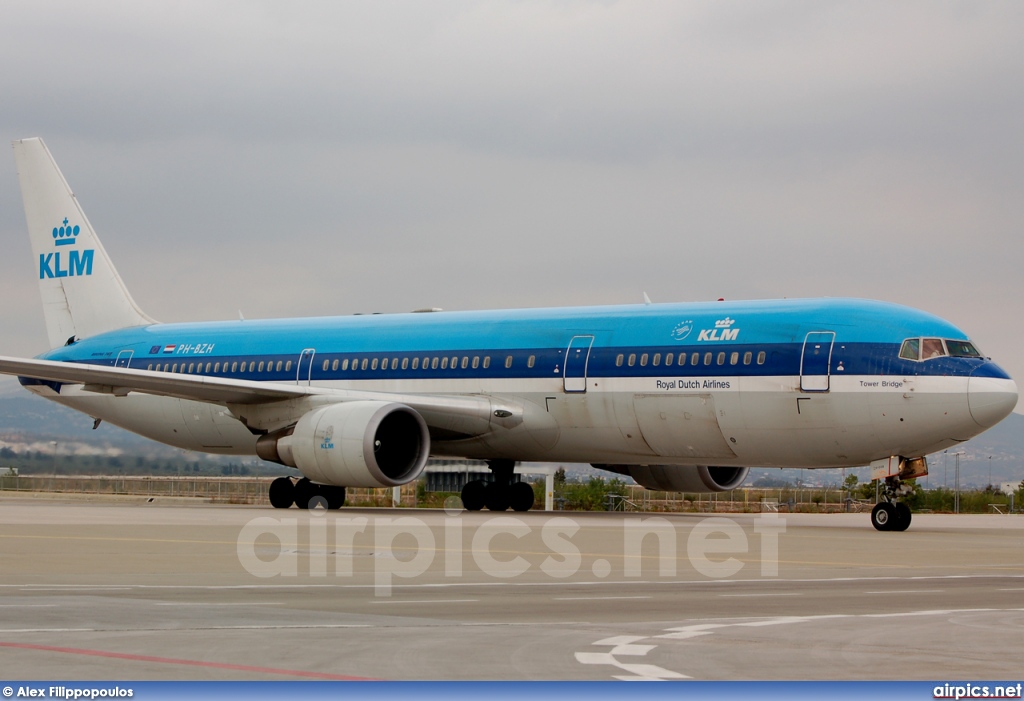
[(78, 262)]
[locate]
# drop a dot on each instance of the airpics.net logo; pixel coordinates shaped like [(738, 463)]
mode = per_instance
[(77, 263), (386, 549)]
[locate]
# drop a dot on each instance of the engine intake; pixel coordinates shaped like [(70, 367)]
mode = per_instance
[(354, 444), (683, 478)]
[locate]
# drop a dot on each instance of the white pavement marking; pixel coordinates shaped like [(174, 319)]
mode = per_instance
[(627, 644), (424, 601), (596, 598), (907, 591), (757, 596)]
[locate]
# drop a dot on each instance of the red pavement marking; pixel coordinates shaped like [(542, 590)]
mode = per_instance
[(190, 663)]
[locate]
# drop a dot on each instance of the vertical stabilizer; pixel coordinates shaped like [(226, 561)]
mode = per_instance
[(82, 293)]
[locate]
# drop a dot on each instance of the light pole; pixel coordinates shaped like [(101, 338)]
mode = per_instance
[(54, 444), (956, 484)]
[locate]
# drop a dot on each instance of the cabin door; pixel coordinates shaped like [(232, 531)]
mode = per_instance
[(816, 361), (574, 373), (124, 358), (305, 370)]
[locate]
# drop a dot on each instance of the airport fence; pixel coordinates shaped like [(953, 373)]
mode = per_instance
[(221, 490)]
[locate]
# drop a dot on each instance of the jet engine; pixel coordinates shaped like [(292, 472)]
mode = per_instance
[(683, 478), (353, 444)]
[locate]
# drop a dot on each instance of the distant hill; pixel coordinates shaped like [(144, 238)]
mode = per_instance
[(30, 423)]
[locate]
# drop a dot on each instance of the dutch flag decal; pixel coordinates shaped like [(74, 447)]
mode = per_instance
[(170, 349)]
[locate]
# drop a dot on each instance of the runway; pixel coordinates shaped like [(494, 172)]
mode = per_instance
[(131, 590)]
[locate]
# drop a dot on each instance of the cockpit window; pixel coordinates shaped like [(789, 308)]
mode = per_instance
[(932, 348), (911, 349), (962, 349)]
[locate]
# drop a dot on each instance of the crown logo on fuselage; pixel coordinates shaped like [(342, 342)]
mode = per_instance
[(78, 262), (65, 235)]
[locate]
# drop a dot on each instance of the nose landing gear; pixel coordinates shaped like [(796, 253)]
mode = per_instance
[(890, 514)]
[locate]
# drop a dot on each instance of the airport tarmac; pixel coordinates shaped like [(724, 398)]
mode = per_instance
[(130, 590)]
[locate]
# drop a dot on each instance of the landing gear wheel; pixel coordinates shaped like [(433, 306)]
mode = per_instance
[(282, 493), (521, 496), (883, 516), (305, 493), (902, 522), (473, 495), (496, 497), (335, 496)]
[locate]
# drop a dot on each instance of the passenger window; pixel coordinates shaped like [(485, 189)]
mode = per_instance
[(234, 366), (433, 363), (932, 348), (362, 365), (444, 363), (384, 364), (632, 360), (487, 361), (707, 358), (465, 362), (375, 363), (455, 362), (531, 361), (252, 366), (656, 360), (721, 358), (761, 358), (508, 361), (150, 367), (415, 363), (334, 366), (734, 359), (208, 368), (476, 361), (669, 357), (327, 365), (216, 367), (288, 366), (191, 366), (405, 363), (682, 358), (747, 357), (911, 349), (279, 363), (695, 359), (618, 360), (643, 360)]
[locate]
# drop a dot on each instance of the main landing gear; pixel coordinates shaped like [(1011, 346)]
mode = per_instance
[(501, 494), (890, 514), (305, 494)]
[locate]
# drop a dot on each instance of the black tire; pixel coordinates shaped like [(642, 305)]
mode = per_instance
[(305, 493), (903, 517), (282, 493), (883, 516), (335, 496), (521, 496), (497, 497), (473, 498)]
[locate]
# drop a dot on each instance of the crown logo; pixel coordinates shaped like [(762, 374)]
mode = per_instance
[(65, 235), (724, 323)]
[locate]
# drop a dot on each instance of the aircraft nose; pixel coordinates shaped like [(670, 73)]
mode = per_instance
[(991, 395)]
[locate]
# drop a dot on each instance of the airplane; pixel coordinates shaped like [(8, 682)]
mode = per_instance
[(679, 397)]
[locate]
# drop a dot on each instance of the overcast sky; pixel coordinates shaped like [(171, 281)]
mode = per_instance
[(330, 158)]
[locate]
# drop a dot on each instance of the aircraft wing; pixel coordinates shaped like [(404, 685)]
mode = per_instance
[(463, 414)]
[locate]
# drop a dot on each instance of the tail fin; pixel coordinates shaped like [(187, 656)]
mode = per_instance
[(82, 293)]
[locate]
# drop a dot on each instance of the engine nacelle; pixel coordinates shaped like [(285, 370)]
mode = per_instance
[(354, 444), (683, 478)]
